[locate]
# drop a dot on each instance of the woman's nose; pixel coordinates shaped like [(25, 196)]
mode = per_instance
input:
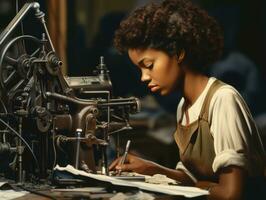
[(145, 76)]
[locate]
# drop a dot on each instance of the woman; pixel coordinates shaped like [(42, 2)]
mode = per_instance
[(173, 44)]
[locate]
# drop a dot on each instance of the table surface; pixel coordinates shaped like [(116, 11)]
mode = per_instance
[(45, 192), (70, 195)]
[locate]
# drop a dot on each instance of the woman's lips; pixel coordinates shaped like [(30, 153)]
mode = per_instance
[(154, 88)]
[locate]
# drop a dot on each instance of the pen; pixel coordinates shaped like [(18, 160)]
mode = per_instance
[(123, 159)]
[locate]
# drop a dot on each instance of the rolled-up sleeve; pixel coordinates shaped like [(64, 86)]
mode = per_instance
[(229, 157)]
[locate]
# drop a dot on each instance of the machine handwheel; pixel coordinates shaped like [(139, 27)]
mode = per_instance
[(16, 61)]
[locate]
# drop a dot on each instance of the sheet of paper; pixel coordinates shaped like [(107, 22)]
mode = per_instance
[(83, 189), (2, 183), (11, 194), (166, 189), (172, 189)]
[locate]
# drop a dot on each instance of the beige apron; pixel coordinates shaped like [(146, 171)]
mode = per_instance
[(195, 142)]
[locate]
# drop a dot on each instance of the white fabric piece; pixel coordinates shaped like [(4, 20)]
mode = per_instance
[(232, 127), (161, 179), (138, 196)]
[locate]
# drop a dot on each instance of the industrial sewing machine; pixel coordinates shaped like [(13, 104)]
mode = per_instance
[(46, 118)]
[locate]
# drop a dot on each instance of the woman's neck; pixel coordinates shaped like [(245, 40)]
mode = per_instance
[(194, 84)]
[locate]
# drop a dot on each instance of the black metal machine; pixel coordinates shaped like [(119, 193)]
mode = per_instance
[(46, 118)]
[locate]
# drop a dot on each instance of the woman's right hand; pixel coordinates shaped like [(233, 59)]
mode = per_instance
[(135, 164)]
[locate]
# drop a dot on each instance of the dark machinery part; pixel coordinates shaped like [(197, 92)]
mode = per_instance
[(60, 119)]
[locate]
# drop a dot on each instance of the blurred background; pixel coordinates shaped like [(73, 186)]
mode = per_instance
[(82, 31)]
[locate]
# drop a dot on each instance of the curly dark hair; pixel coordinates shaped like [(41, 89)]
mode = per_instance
[(172, 26)]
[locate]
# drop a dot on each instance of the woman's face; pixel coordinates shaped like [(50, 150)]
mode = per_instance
[(161, 72)]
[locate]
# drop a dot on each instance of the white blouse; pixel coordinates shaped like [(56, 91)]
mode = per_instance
[(232, 127)]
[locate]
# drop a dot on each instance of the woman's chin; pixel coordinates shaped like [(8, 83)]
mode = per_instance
[(164, 92)]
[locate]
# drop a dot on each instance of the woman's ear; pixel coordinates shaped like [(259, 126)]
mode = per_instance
[(181, 56)]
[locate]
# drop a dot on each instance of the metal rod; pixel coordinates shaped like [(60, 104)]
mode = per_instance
[(105, 170), (78, 134), (40, 15), (16, 20), (69, 99), (20, 151), (117, 103)]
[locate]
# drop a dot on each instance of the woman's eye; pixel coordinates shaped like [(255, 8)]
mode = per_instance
[(150, 66)]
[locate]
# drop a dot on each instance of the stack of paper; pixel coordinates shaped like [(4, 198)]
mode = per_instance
[(166, 189)]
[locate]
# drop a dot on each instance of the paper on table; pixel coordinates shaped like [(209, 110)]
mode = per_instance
[(83, 189), (2, 183), (166, 189), (173, 189), (11, 194)]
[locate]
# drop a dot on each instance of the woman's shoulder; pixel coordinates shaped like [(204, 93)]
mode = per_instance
[(228, 98), (227, 92)]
